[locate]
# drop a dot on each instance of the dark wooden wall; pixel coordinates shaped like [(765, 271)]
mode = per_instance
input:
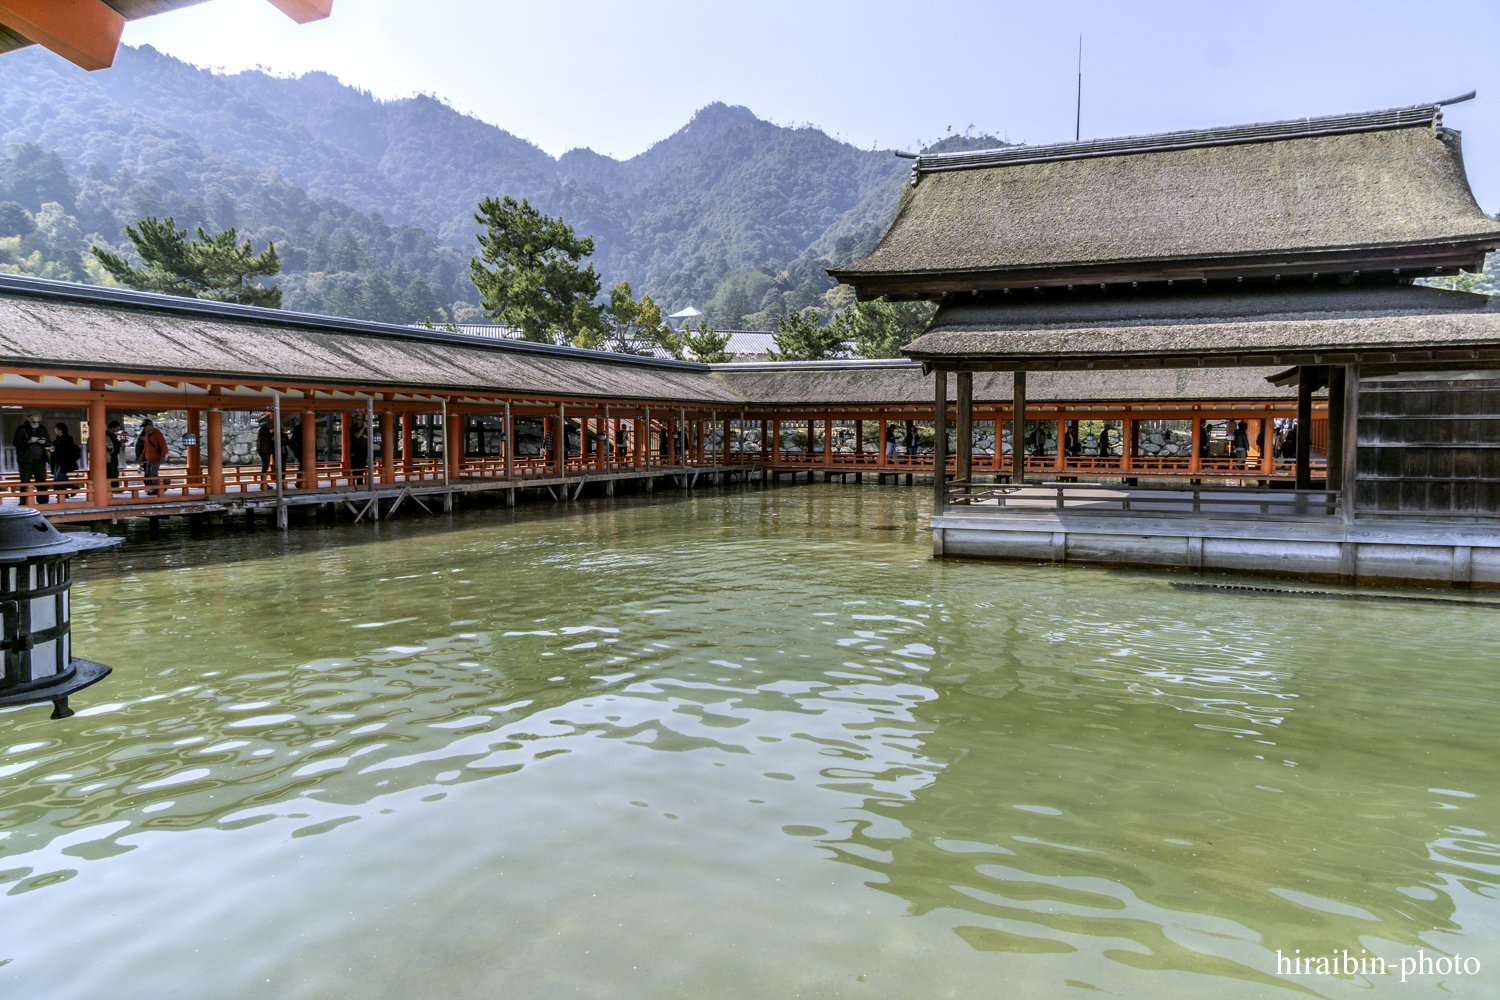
[(1430, 447)]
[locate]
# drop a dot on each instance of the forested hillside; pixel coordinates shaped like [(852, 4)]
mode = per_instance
[(371, 202)]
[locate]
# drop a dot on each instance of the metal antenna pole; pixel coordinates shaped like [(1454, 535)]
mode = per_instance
[(1078, 111)]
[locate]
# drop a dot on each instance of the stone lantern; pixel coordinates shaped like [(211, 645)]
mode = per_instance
[(35, 577)]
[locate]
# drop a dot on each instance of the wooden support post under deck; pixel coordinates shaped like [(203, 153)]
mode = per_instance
[(98, 455), (939, 441), (1017, 430), (215, 441), (1304, 428), (1335, 463), (307, 469), (964, 429), (387, 447)]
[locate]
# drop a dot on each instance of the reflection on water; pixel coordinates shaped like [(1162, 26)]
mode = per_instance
[(744, 744)]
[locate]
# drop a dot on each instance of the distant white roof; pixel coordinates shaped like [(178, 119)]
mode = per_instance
[(749, 342), (687, 313)]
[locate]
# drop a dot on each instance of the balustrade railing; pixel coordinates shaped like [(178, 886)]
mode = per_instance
[(1167, 501)]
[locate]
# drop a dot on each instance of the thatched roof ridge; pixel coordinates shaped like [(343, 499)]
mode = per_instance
[(1168, 328), (1296, 200)]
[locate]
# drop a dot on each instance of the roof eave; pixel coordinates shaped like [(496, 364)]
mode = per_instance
[(1411, 260)]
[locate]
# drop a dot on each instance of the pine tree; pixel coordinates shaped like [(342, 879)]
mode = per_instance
[(533, 281), (707, 344), (800, 338), (210, 267), (880, 329)]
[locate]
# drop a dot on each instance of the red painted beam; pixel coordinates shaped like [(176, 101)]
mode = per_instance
[(303, 11), (84, 32)]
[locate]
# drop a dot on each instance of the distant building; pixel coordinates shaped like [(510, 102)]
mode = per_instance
[(682, 317)]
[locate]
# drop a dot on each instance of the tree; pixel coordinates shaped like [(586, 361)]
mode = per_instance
[(210, 267), (15, 220), (707, 344), (629, 326), (380, 302), (880, 329), (534, 281), (800, 338), (418, 302)]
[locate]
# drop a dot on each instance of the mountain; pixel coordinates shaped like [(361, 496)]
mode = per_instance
[(370, 200)]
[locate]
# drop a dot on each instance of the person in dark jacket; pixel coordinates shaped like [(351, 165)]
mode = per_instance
[(65, 456), (32, 449), (1241, 441), (114, 446), (1106, 450), (359, 451), (265, 445), (1070, 440)]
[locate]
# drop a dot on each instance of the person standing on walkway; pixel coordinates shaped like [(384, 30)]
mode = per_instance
[(265, 445), (151, 450), (359, 451), (32, 449), (1105, 449), (114, 444), (65, 457), (1241, 443)]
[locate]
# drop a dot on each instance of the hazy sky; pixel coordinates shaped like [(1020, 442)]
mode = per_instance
[(618, 76)]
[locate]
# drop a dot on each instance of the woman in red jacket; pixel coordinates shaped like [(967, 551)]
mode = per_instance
[(151, 449)]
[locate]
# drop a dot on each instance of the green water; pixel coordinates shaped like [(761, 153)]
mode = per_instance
[(744, 744)]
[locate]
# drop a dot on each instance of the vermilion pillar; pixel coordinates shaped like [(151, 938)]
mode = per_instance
[(387, 447), (307, 470), (98, 458), (454, 448), (215, 442)]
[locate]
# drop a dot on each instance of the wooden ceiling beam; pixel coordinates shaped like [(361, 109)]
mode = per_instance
[(303, 11), (84, 32)]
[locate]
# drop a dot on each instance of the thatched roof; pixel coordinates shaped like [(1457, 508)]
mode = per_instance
[(1169, 328), (58, 326), (61, 326), (1381, 189)]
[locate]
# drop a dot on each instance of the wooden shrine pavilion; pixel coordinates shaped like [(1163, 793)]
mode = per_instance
[(1289, 244)]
